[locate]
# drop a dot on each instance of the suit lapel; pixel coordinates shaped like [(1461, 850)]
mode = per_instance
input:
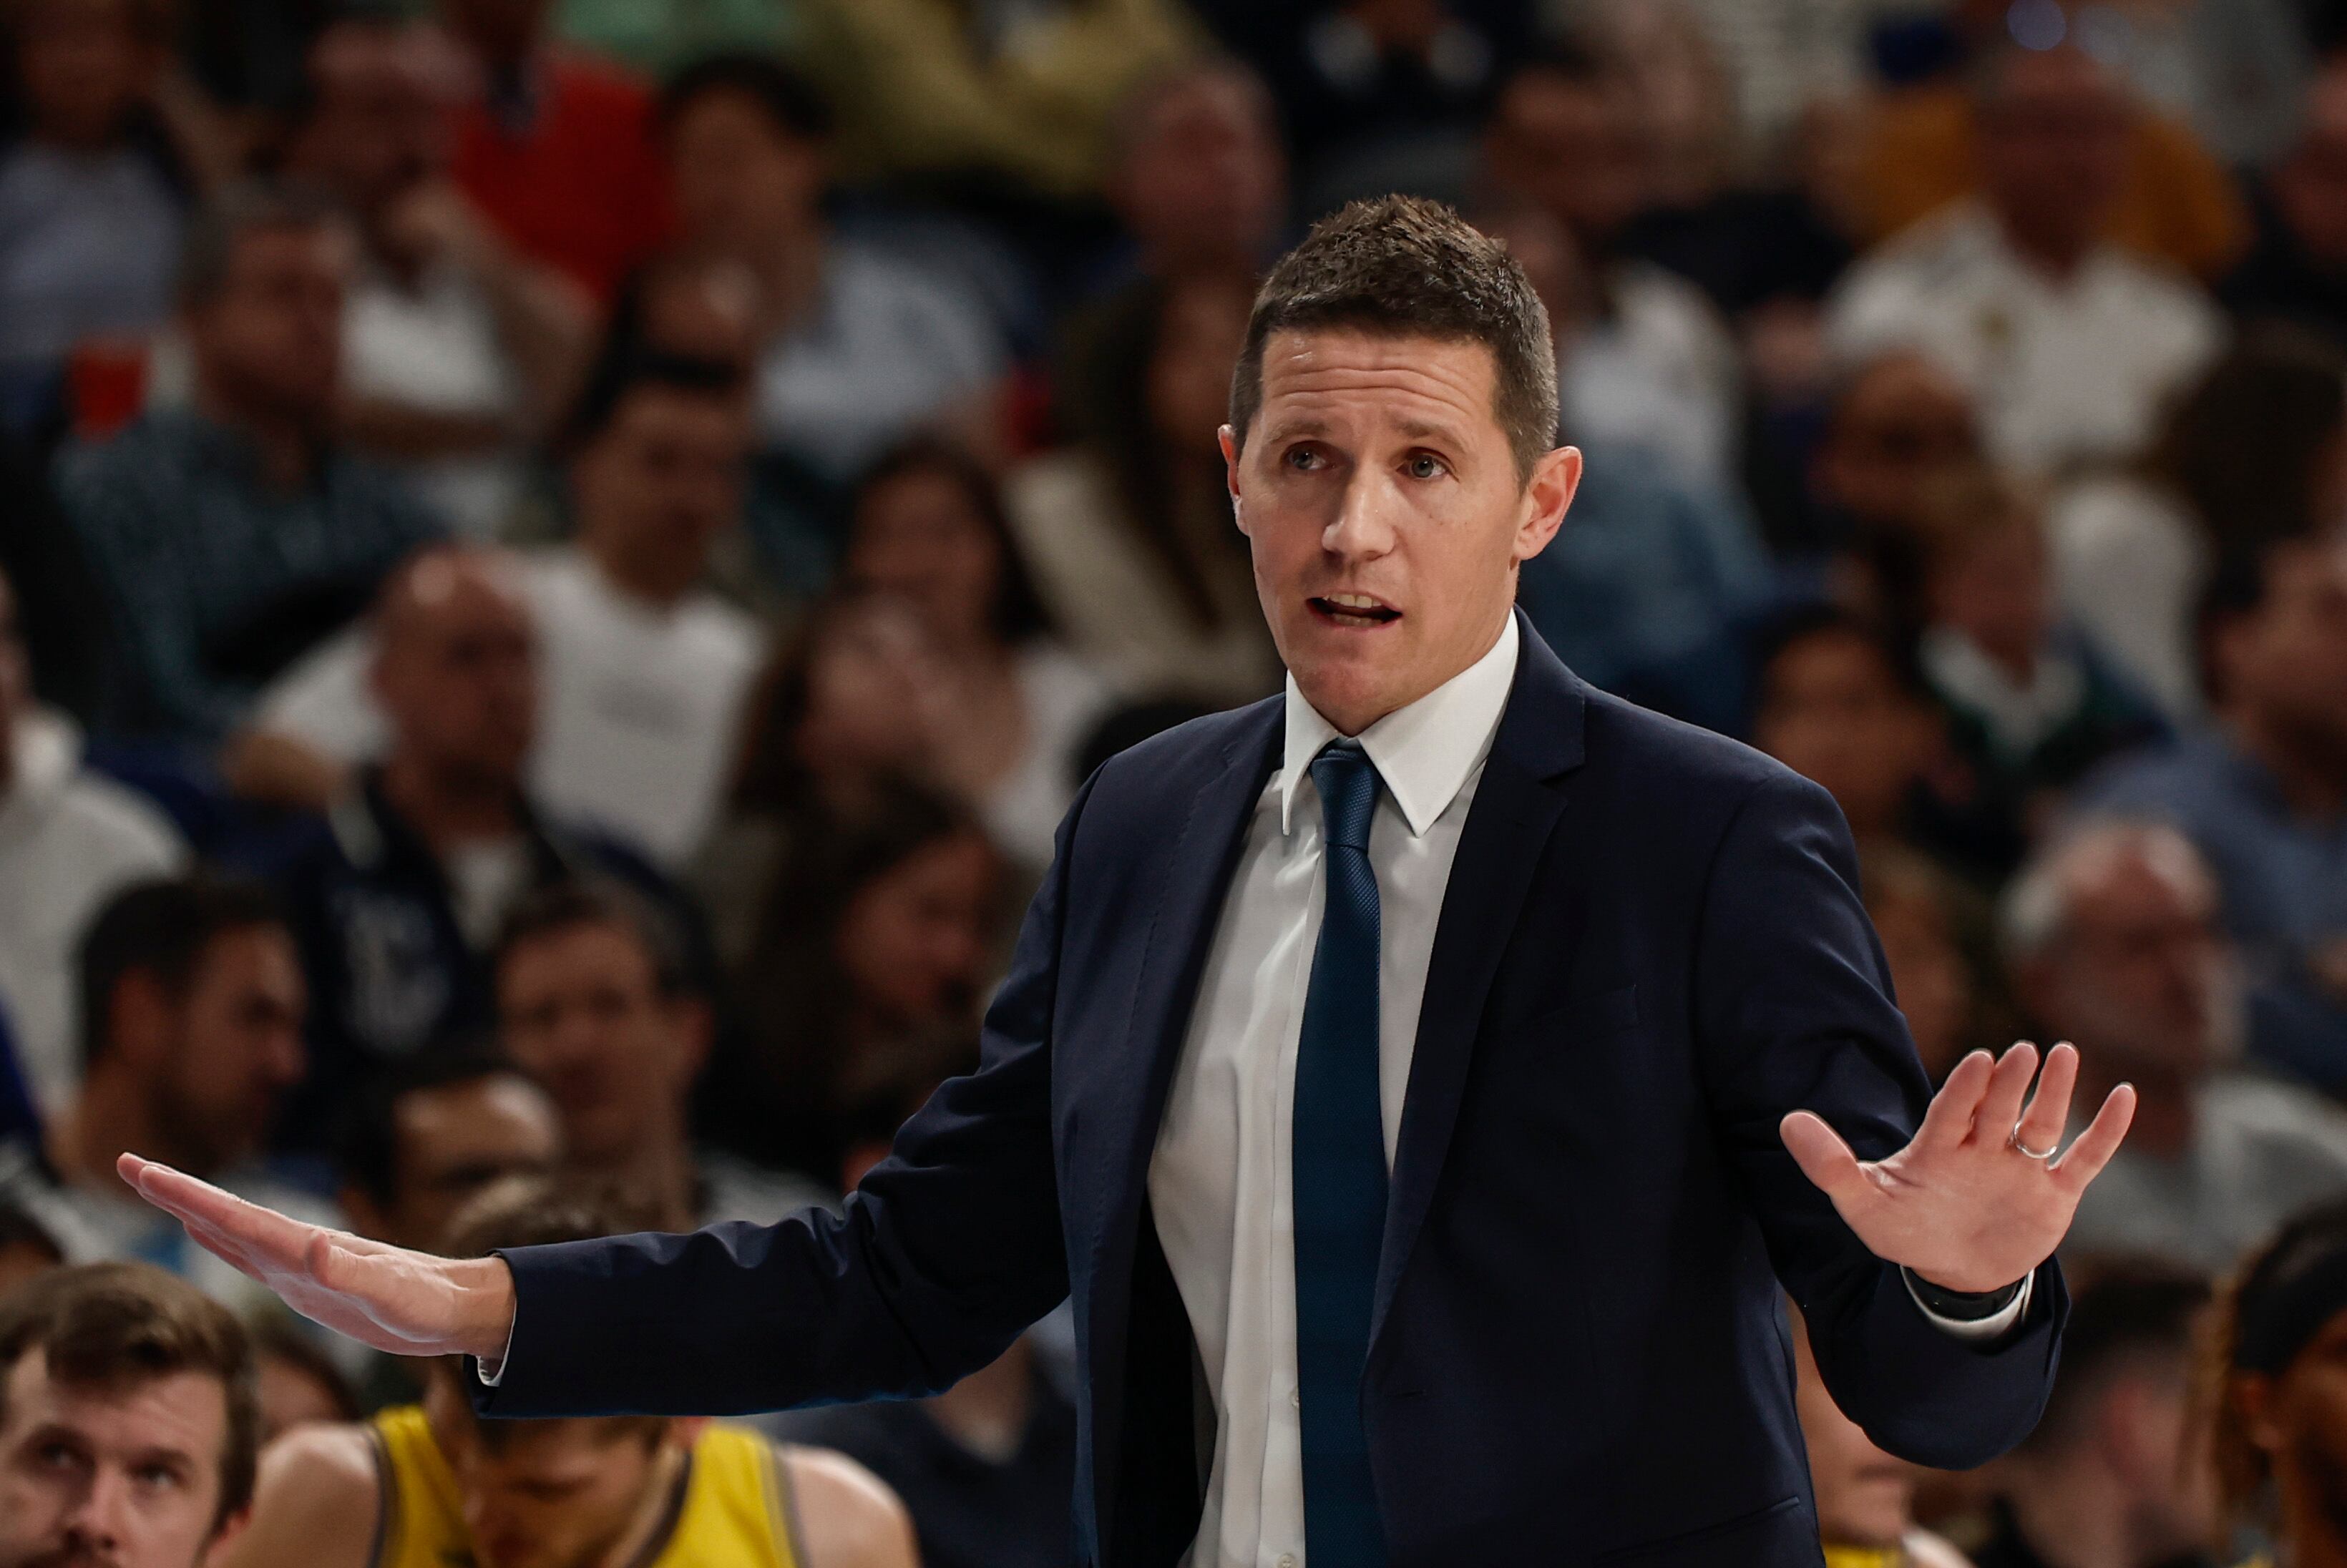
[(1517, 802)]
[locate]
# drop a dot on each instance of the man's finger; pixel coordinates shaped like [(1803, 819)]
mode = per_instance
[(2048, 1117), (1949, 1116), (2000, 1108), (268, 1235), (1825, 1159), (2098, 1143)]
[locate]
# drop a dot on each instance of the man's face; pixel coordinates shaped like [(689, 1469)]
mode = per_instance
[(1387, 519), (2310, 186), (105, 1478), (2054, 145), (744, 184), (1992, 588), (553, 1493), (920, 538), (379, 127), (913, 941), (236, 1047), (1832, 712), (82, 66), (666, 474), (269, 342), (450, 1141), (2140, 976), (1205, 179), (2285, 665), (1902, 422), (582, 1012), (456, 670), (1572, 148)]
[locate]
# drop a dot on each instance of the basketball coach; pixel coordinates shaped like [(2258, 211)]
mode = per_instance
[(1424, 1082)]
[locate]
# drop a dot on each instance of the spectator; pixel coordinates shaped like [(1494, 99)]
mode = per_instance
[(2069, 343), (191, 1010), (228, 539), (1198, 175), (69, 840), (92, 192), (861, 346), (2296, 271), (128, 1421), (937, 95), (2274, 1393), (428, 1133), (1130, 531), (458, 348), (643, 674), (2113, 940), (1896, 421), (929, 529), (1865, 1497), (556, 146), (593, 1004), (876, 935), (298, 1383), (2264, 795), (985, 1467), (439, 1484), (2115, 1476), (2030, 706), (1923, 918), (1646, 361), (852, 705), (398, 891), (2256, 451), (27, 1248)]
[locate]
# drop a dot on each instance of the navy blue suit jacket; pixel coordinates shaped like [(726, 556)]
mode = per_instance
[(1650, 950)]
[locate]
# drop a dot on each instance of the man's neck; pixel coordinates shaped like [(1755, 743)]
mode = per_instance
[(660, 578), (285, 447), (445, 813), (2313, 785), (790, 273), (665, 1174), (2057, 258), (2070, 1515), (112, 1116)]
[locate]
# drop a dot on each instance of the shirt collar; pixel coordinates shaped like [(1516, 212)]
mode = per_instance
[(1424, 752)]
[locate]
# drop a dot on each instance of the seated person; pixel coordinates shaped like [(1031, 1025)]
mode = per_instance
[(593, 1003), (1866, 1499), (398, 892), (229, 538), (299, 1383), (2031, 707), (2263, 794), (128, 1421), (423, 1485), (2281, 1406), (2113, 939)]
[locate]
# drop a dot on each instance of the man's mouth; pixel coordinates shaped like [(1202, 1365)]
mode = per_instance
[(1354, 611)]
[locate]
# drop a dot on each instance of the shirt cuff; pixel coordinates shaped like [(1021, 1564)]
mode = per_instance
[(1975, 1329), (491, 1377)]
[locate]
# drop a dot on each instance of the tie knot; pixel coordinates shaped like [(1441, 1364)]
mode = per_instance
[(1347, 782)]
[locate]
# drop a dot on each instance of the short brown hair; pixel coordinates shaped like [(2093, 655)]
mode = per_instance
[(1404, 267), (116, 1326)]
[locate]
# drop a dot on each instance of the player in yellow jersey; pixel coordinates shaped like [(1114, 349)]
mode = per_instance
[(431, 1486)]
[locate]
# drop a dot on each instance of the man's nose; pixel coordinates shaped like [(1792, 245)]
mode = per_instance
[(1363, 526), (95, 1526)]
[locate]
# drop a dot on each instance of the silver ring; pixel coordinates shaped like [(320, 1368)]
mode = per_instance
[(2024, 1148)]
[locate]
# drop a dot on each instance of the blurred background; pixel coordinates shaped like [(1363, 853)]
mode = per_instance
[(561, 559)]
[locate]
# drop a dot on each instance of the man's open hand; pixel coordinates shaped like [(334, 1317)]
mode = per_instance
[(1962, 1205), (408, 1303)]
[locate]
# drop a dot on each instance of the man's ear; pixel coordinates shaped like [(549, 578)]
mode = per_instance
[(1229, 438), (1555, 480)]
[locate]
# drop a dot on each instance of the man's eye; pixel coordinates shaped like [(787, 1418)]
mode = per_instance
[(1303, 458), (1426, 466), (156, 1477)]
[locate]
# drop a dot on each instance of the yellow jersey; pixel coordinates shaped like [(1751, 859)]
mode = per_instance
[(735, 1511)]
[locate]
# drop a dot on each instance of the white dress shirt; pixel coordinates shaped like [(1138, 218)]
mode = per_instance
[(1219, 1177)]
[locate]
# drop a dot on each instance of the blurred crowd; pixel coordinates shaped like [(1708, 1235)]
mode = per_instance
[(560, 561)]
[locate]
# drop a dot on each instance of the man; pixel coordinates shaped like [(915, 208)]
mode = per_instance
[(2113, 940), (69, 838), (128, 1421), (2071, 345), (460, 348), (423, 1485), (229, 538), (1498, 1289), (644, 673), (398, 890), (1197, 174), (2297, 270), (2115, 1476), (1896, 422), (593, 1003), (432, 1133), (191, 1003), (2263, 794)]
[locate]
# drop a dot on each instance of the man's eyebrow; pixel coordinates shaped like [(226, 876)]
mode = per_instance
[(1426, 430), (1292, 428)]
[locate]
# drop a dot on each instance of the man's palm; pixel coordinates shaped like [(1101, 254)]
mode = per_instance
[(1962, 1205)]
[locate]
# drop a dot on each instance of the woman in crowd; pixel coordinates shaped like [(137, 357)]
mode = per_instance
[(929, 529)]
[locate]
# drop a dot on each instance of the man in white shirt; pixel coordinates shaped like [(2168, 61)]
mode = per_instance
[(2071, 346), (1405, 1078)]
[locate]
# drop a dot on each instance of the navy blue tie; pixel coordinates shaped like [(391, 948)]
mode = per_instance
[(1340, 1153)]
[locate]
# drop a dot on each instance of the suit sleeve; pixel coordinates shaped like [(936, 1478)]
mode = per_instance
[(1794, 1012), (950, 1248)]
